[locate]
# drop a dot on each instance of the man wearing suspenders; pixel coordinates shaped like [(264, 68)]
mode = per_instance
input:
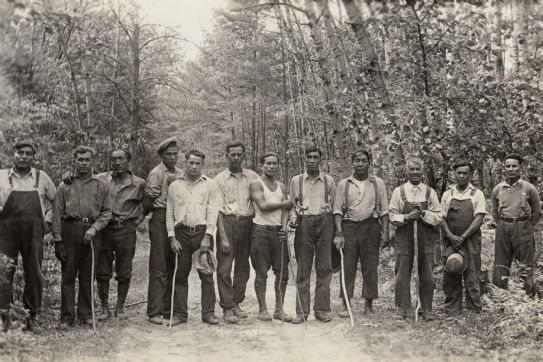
[(313, 192), (26, 203), (464, 209), (516, 208), (268, 240), (361, 218), (409, 203)]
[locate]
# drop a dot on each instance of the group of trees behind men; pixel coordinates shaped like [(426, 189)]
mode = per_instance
[(440, 79)]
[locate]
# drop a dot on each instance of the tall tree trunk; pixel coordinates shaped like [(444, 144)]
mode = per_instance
[(495, 15)]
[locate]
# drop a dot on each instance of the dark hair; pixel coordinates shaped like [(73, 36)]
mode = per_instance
[(358, 153), (195, 153), (313, 149), (233, 144), (266, 155), (461, 163), (84, 149), (127, 153), (514, 156)]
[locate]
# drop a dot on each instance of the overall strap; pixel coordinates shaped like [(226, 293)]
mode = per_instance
[(472, 193), (402, 194), (377, 200), (326, 196), (428, 191), (37, 179)]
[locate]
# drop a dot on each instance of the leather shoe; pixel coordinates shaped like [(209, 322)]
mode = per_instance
[(282, 316), (298, 319), (210, 319), (368, 307), (86, 322), (323, 316), (176, 321), (238, 312), (33, 326), (155, 320), (263, 315), (229, 317), (344, 312)]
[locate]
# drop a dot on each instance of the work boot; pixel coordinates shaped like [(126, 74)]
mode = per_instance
[(238, 312), (210, 319), (368, 307), (6, 322), (229, 317), (282, 316), (103, 293), (323, 316), (279, 313), (155, 320), (122, 291), (264, 315), (176, 320), (298, 319), (32, 325), (344, 312), (86, 322)]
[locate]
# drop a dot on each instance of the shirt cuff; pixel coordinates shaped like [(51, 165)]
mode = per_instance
[(210, 230), (171, 233)]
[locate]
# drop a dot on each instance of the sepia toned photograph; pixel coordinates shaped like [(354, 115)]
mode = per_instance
[(271, 180)]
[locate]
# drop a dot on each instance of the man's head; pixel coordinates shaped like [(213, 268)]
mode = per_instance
[(194, 161), (360, 160), (168, 151), (463, 171), (313, 157), (414, 167), (83, 159), (235, 154), (512, 165), (270, 164), (23, 156), (120, 161)]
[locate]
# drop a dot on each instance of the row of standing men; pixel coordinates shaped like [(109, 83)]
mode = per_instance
[(249, 215)]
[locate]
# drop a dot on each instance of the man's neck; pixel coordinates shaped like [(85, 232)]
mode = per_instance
[(461, 188), (313, 173), (122, 176), (193, 178), (21, 172), (511, 181), (268, 179), (235, 169), (84, 176), (415, 183), (360, 176)]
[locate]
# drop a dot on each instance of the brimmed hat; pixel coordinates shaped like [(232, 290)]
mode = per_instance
[(456, 260), (164, 144), (205, 262), (25, 143)]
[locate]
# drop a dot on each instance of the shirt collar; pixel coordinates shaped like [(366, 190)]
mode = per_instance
[(319, 176), (201, 178), (469, 188), (109, 176), (15, 174), (230, 173), (506, 184)]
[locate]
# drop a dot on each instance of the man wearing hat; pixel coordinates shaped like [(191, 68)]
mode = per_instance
[(26, 205), (414, 202), (192, 209), (516, 208), (464, 209), (81, 210), (155, 195), (234, 231), (119, 237)]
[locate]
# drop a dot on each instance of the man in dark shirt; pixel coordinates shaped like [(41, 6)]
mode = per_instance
[(81, 210)]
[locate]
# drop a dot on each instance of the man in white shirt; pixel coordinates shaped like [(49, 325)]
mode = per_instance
[(464, 209), (414, 201)]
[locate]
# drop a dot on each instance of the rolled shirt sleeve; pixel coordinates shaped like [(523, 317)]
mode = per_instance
[(105, 208), (479, 203), (535, 204), (153, 186), (432, 215), (339, 198), (58, 211), (383, 196), (49, 198), (395, 208), (212, 209)]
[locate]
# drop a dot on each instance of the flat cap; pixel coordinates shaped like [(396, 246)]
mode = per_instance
[(25, 143), (164, 144)]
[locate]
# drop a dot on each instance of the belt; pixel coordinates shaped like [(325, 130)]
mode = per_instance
[(239, 217), (515, 219), (121, 222), (347, 221), (270, 227), (315, 216), (84, 220), (191, 229)]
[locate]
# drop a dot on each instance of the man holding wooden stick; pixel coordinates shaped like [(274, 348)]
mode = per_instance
[(415, 201)]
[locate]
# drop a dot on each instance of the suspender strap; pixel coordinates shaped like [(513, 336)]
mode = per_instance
[(472, 193), (37, 179), (402, 194), (377, 199), (326, 197), (428, 190)]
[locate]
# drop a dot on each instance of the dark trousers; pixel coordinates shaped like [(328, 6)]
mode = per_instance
[(238, 231), (452, 283), (405, 254), (268, 251), (159, 256), (78, 265), (190, 242), (23, 236), (514, 240), (119, 246), (313, 239), (362, 240)]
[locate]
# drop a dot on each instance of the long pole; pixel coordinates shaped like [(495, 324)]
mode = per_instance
[(345, 296), (92, 286), (291, 265), (416, 267), (173, 289)]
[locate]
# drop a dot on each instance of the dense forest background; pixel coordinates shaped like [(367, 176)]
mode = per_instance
[(438, 79)]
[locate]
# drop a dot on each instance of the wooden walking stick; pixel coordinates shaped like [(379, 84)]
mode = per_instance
[(173, 289), (294, 264), (92, 287), (345, 296), (416, 267)]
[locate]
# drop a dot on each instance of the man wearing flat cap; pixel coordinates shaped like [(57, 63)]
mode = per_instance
[(26, 205), (464, 208), (516, 209), (154, 200)]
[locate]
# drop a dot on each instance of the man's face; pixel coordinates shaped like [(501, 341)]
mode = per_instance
[(83, 162), (270, 166), (512, 168), (23, 158), (414, 173), (169, 156), (235, 157), (361, 164), (194, 166), (119, 162), (312, 161), (462, 175)]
